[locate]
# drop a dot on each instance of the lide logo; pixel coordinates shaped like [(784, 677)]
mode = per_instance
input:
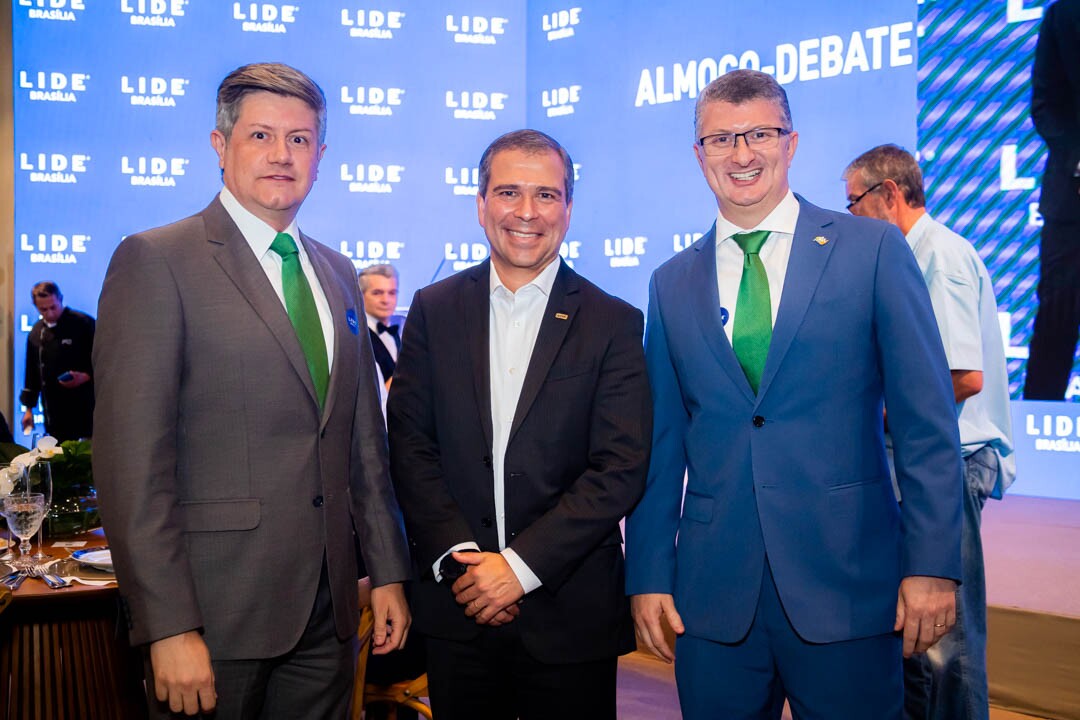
[(372, 24), (371, 178), (476, 29), (61, 10), (475, 105), (57, 168), (53, 248), (625, 251), (152, 171), (153, 91), (465, 181), (371, 252), (371, 100), (561, 100), (264, 17), (53, 86), (153, 13), (560, 24)]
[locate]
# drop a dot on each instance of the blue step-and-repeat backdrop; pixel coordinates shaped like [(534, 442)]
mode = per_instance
[(114, 103)]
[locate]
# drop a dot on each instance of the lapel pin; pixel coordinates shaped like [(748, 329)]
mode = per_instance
[(821, 239), (562, 316)]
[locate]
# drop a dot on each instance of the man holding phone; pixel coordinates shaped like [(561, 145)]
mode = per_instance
[(58, 367)]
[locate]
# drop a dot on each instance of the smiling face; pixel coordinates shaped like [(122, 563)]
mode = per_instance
[(750, 182), (525, 213), (271, 159)]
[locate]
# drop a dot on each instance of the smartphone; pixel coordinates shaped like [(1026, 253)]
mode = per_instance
[(66, 377)]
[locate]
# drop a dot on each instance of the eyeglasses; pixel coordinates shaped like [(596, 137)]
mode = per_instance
[(724, 143), (869, 190)]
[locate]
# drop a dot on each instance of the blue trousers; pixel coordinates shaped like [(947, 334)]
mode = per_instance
[(854, 680), (948, 682)]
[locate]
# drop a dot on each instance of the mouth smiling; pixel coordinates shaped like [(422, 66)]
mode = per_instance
[(747, 175)]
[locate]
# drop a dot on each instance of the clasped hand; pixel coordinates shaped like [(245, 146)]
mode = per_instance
[(489, 590)]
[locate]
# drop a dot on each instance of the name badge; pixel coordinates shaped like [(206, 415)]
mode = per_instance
[(352, 321)]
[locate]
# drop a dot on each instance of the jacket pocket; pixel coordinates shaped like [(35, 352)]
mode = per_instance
[(220, 515), (698, 508)]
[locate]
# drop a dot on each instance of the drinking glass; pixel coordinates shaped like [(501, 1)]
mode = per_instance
[(24, 513), (39, 480), (12, 479)]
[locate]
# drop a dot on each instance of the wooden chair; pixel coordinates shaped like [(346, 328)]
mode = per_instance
[(406, 693)]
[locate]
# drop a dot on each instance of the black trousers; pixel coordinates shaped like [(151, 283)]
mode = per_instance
[(494, 678), (313, 680), (1057, 322)]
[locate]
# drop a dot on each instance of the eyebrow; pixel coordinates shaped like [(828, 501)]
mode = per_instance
[(539, 188)]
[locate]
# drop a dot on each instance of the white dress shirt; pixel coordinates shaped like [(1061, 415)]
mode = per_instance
[(260, 237), (514, 322), (774, 256)]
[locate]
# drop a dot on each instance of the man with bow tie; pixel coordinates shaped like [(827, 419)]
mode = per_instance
[(379, 285)]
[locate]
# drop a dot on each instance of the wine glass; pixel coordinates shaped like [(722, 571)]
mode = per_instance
[(24, 513), (12, 479), (39, 479)]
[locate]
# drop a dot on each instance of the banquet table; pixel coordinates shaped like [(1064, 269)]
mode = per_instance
[(64, 654)]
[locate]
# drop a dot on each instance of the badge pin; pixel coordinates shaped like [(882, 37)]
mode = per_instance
[(562, 316), (821, 239), (352, 321)]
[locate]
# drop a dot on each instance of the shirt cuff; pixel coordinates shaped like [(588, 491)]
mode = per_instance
[(470, 545), (525, 576)]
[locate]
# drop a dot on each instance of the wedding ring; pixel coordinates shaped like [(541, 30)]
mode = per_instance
[(941, 625)]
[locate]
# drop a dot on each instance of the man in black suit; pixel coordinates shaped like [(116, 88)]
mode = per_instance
[(520, 422), (379, 286), (1055, 109)]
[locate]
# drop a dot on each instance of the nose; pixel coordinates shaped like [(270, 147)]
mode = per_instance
[(526, 209), (742, 154), (281, 151)]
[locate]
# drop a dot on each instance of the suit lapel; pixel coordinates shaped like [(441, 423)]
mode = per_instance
[(705, 306), (234, 256), (559, 315), (811, 247), (476, 310), (342, 351)]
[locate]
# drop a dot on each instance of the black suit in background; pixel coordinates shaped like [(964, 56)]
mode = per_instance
[(50, 352), (575, 464), (1055, 109)]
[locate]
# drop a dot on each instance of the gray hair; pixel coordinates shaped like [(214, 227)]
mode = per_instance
[(743, 86), (385, 270), (531, 142), (275, 78), (890, 162)]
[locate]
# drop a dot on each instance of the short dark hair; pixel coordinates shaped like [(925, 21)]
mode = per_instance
[(890, 162), (531, 142), (275, 78), (742, 86), (44, 289), (385, 270)]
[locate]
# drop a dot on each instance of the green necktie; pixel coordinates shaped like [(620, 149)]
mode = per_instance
[(300, 304), (753, 310)]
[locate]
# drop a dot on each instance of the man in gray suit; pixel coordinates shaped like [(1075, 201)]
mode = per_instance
[(240, 438)]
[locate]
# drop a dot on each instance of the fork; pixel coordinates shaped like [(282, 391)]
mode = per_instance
[(53, 581)]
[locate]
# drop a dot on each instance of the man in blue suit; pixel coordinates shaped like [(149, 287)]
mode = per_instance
[(774, 345)]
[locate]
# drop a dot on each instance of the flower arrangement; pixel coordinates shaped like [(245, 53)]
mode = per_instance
[(74, 501)]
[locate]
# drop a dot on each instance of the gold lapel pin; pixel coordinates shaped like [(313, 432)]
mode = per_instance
[(821, 239), (562, 316)]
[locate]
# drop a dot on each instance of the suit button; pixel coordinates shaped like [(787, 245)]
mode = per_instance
[(485, 522), (758, 421), (487, 461), (317, 501)]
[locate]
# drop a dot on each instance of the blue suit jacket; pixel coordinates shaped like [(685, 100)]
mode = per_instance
[(799, 471)]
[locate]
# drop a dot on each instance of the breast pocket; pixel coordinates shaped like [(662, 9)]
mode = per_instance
[(567, 371)]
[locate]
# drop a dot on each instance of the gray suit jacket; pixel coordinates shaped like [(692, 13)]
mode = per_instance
[(222, 486)]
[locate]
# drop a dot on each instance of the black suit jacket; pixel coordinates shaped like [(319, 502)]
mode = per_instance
[(1055, 108), (575, 464)]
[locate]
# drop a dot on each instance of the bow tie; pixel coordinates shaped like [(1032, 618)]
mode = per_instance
[(392, 329)]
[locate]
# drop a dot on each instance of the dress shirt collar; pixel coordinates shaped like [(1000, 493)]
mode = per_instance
[(373, 322), (543, 282), (782, 219), (258, 234), (919, 230)]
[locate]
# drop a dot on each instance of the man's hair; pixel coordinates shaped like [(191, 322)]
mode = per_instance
[(742, 86), (531, 142), (267, 77), (890, 162), (385, 270), (45, 289)]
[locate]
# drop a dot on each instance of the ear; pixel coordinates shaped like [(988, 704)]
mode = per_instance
[(894, 196), (480, 209), (218, 141)]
